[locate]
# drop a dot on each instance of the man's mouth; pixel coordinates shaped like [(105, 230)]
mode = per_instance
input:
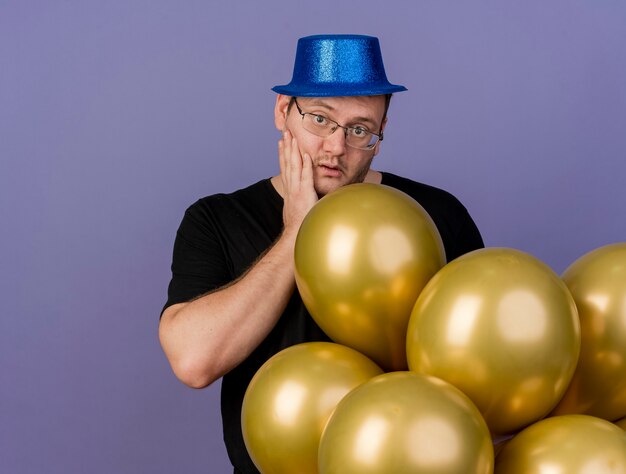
[(330, 170)]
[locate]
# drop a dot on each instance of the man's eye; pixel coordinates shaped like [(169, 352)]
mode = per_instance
[(320, 120), (359, 132)]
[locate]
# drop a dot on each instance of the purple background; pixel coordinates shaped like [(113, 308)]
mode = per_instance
[(115, 116)]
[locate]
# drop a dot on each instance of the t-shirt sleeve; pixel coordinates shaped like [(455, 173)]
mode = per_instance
[(466, 235), (199, 263)]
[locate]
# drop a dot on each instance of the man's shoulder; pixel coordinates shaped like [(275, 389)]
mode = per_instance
[(457, 228), (255, 206), (421, 192)]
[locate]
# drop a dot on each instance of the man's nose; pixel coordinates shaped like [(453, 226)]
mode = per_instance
[(335, 144)]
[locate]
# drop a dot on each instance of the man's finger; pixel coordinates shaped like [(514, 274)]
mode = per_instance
[(287, 152), (281, 157), (307, 170), (295, 163)]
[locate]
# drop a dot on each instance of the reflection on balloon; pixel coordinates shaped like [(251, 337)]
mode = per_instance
[(290, 398), (405, 422), (565, 444), (597, 282), (502, 327), (362, 256)]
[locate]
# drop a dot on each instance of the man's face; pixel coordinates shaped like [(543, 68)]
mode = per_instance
[(335, 163)]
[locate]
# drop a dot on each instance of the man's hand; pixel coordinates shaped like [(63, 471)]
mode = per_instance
[(296, 173)]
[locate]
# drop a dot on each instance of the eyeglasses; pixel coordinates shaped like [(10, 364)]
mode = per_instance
[(356, 137)]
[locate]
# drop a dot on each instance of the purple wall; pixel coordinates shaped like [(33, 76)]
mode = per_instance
[(114, 116)]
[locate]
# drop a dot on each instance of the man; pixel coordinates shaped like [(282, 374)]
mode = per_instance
[(232, 301)]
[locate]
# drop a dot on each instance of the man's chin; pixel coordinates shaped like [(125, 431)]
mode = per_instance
[(326, 186)]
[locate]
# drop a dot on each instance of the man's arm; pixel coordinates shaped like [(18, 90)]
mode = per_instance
[(205, 338)]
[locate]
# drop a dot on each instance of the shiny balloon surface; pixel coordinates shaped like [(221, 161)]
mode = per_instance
[(403, 422), (568, 444), (290, 398), (362, 256), (502, 327), (597, 282)]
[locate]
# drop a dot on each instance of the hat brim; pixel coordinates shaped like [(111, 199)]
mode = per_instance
[(336, 90)]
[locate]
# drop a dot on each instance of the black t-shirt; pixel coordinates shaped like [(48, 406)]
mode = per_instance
[(222, 235)]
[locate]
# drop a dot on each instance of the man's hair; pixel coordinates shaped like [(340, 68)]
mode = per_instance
[(387, 102)]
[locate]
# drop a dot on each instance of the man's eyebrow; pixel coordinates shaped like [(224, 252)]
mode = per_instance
[(364, 119), (330, 108), (319, 103)]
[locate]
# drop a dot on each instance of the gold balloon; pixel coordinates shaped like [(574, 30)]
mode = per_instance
[(362, 256), (409, 423), (597, 282), (290, 398), (502, 327), (576, 444)]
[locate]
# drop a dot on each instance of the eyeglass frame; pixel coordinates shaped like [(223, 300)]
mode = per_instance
[(378, 135)]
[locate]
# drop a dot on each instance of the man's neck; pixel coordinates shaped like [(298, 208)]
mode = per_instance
[(373, 176)]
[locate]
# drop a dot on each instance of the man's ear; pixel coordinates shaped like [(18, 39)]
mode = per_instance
[(382, 128), (280, 111)]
